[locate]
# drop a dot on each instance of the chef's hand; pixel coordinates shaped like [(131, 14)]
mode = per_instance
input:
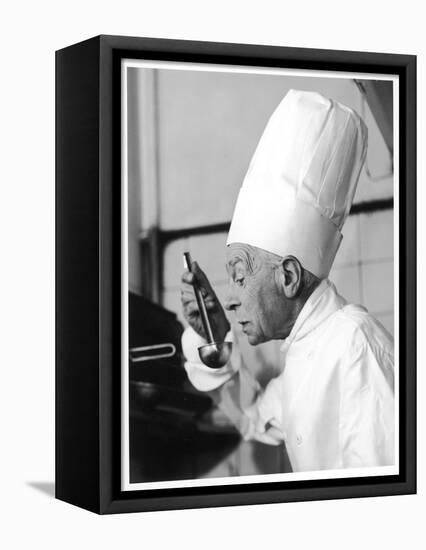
[(218, 321)]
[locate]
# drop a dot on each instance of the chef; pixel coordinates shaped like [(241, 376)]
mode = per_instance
[(333, 402)]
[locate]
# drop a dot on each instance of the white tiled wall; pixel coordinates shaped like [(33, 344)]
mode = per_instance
[(376, 236), (209, 251), (378, 286), (363, 270), (347, 279)]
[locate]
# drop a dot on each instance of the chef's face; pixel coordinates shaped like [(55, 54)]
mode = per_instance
[(256, 294)]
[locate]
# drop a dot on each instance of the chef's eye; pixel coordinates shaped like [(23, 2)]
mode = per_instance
[(239, 280)]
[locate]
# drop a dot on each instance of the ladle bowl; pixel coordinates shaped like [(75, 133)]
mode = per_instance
[(215, 354)]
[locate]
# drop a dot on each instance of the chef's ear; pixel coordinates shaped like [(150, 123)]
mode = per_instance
[(291, 276)]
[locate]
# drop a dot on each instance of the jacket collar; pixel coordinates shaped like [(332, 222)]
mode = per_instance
[(323, 302)]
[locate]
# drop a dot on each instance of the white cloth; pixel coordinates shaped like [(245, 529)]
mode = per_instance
[(299, 187), (202, 377), (333, 404)]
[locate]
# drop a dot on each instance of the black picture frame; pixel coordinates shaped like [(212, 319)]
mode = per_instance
[(88, 273)]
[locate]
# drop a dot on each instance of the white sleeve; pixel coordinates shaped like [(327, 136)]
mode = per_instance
[(201, 377), (367, 416), (263, 417), (235, 391)]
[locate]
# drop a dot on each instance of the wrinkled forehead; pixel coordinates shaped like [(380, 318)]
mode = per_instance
[(250, 256), (237, 252), (242, 255)]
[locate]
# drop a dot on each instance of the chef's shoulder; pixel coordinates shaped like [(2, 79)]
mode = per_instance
[(361, 333)]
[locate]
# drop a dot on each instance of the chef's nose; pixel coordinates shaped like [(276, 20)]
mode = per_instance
[(232, 301)]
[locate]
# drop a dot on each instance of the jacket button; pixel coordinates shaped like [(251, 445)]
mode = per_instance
[(299, 439)]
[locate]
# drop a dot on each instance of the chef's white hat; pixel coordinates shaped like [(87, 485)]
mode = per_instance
[(299, 187)]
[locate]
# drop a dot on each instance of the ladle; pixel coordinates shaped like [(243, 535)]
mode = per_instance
[(213, 354)]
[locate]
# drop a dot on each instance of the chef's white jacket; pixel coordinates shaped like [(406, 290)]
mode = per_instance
[(332, 404)]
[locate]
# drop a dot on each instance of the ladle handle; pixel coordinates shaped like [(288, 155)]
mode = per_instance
[(200, 301)]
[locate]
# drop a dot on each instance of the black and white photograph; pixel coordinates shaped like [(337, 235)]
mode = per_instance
[(259, 275)]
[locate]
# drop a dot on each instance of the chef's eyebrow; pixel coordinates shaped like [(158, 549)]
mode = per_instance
[(247, 256), (234, 261), (244, 258), (230, 265)]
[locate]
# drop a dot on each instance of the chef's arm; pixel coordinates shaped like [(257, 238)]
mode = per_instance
[(367, 410), (234, 390)]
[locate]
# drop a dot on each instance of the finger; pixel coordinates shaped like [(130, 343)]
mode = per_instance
[(189, 299), (187, 289), (192, 313), (188, 277), (190, 310)]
